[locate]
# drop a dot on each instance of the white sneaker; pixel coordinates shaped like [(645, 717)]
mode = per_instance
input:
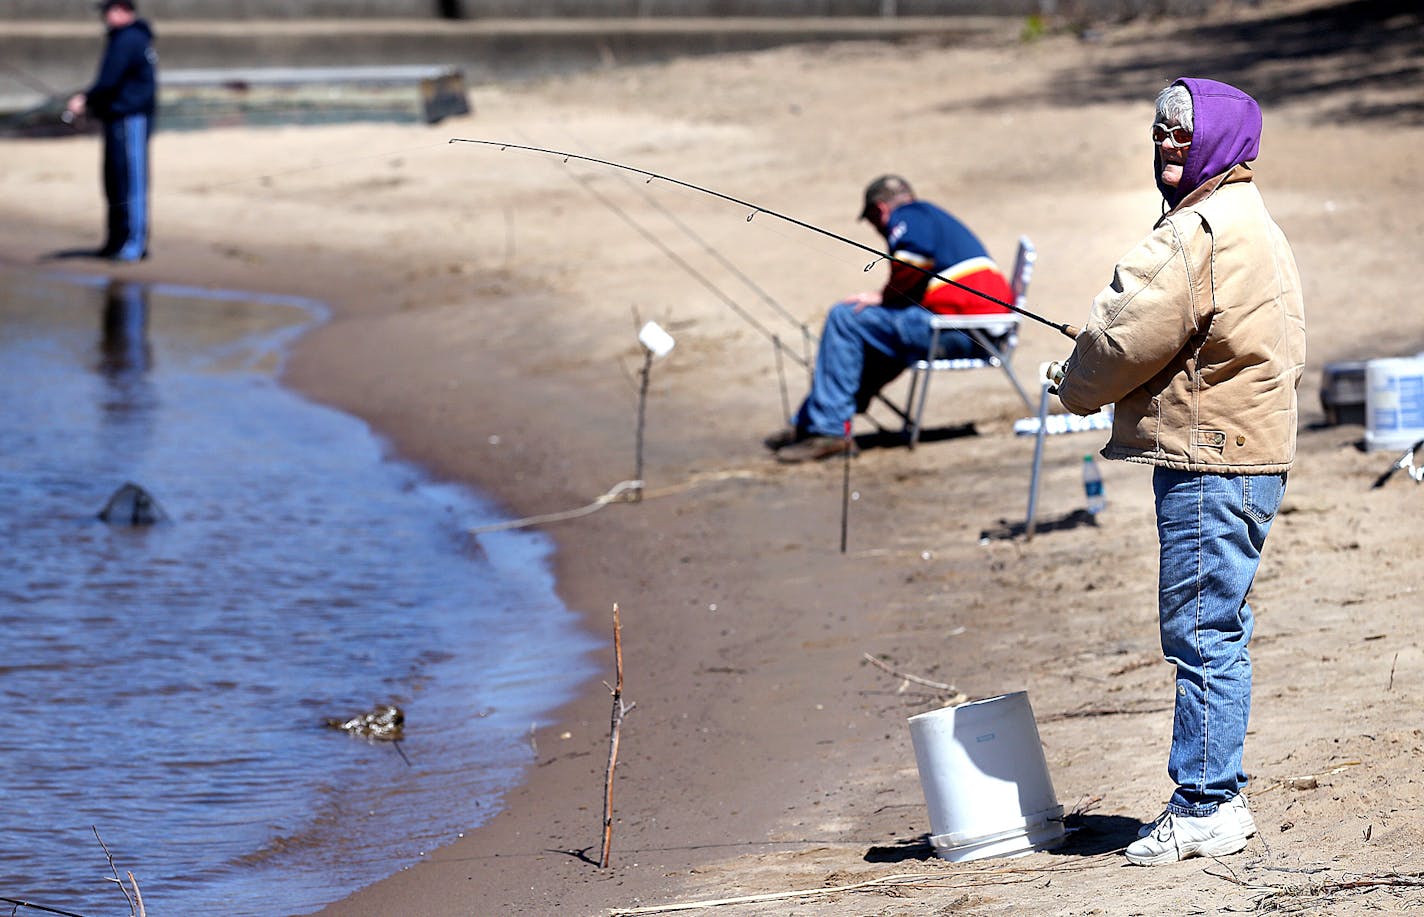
[(1178, 837), (1243, 814), (1237, 804)]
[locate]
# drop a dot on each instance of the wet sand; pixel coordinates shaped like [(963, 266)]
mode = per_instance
[(486, 306)]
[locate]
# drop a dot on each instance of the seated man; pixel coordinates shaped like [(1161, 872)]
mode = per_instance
[(870, 338)]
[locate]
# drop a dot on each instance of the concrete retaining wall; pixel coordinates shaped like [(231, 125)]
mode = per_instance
[(44, 56), (62, 56), (160, 10)]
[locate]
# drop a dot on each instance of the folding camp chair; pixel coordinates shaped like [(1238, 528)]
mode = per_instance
[(998, 334)]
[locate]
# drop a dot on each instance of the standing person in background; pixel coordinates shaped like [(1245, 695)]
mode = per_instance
[(123, 98), (870, 338), (1200, 342)]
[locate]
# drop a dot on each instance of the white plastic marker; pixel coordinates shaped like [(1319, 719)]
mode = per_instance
[(655, 340)]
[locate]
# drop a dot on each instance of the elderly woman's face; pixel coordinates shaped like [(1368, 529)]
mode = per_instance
[(1172, 142)]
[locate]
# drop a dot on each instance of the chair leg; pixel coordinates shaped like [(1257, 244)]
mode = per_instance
[(1013, 377), (919, 408), (908, 414), (1005, 363)]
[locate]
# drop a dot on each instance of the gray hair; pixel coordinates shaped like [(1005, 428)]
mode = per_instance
[(1175, 102)]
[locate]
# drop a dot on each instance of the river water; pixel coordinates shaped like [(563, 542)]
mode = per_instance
[(167, 686)]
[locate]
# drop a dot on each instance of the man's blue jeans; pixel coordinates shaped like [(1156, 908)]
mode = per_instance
[(900, 334), (1211, 528), (126, 174)]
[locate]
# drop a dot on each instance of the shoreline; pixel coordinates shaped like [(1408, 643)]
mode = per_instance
[(765, 754), (196, 392)]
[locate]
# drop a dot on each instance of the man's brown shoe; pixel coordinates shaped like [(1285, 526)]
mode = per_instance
[(784, 437), (813, 449)]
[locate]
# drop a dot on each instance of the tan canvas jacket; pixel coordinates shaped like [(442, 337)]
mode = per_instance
[(1199, 340)]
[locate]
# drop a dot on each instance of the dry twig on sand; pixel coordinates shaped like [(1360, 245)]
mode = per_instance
[(955, 696), (1305, 781), (1311, 895), (889, 884), (1092, 712)]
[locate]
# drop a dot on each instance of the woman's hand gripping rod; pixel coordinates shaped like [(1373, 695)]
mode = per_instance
[(1066, 329)]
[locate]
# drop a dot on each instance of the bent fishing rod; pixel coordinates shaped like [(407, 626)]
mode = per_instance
[(1062, 327)]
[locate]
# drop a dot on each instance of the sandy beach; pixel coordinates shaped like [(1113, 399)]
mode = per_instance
[(485, 310)]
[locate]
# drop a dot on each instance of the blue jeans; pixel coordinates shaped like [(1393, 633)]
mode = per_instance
[(902, 335), (1211, 528), (126, 176)]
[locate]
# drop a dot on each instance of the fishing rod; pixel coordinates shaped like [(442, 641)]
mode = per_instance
[(40, 907), (1062, 327), (778, 347)]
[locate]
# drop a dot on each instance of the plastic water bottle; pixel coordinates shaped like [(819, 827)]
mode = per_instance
[(1093, 485)]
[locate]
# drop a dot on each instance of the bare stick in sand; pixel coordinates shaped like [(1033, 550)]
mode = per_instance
[(620, 710), (645, 375), (937, 685)]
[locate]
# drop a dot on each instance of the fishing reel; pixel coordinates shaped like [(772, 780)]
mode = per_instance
[(1404, 463)]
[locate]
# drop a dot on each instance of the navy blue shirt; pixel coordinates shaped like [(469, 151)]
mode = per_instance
[(925, 240), (127, 83)]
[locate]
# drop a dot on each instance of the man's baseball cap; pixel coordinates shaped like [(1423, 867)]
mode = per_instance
[(884, 188), (104, 6)]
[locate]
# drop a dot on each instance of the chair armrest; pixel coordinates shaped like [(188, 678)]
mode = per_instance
[(996, 324)]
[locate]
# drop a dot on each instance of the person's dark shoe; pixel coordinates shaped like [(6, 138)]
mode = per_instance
[(783, 438), (813, 449)]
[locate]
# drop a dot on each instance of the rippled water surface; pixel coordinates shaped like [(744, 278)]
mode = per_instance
[(168, 684)]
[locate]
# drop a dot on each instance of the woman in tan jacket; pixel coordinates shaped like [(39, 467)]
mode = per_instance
[(1199, 340)]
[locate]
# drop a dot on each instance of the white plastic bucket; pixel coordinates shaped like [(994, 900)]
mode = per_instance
[(985, 779), (1394, 403)]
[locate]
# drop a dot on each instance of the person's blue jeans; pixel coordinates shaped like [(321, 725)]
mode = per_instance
[(126, 174), (1211, 528), (899, 334)]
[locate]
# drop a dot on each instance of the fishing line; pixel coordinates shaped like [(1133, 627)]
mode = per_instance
[(681, 262), (808, 338), (778, 348), (31, 81), (755, 209), (717, 291), (721, 259), (781, 377), (687, 266), (50, 93)]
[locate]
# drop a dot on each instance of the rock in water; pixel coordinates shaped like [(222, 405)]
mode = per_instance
[(384, 722), (132, 505)]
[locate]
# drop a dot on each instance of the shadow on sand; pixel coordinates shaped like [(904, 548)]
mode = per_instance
[(1358, 60), (1007, 531), (886, 438), (1088, 835)]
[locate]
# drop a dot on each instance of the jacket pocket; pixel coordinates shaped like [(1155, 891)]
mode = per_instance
[(1211, 439), (1261, 495)]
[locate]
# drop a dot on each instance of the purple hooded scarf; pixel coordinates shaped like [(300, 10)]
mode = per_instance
[(1226, 132)]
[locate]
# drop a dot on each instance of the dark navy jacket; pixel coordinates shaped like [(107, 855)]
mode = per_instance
[(127, 83)]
